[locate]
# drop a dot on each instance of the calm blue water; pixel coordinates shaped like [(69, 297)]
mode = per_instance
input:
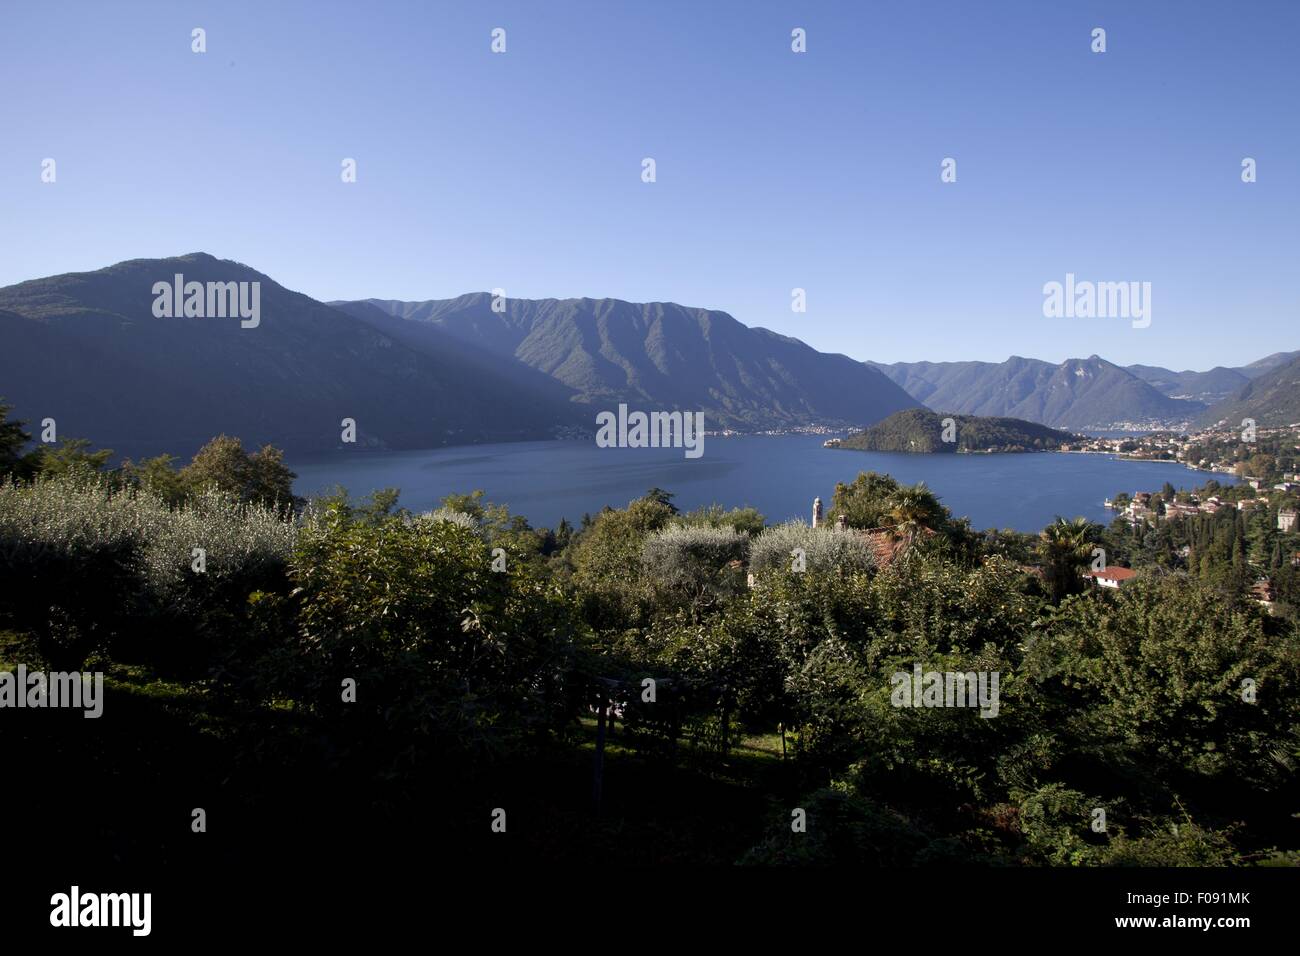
[(780, 476)]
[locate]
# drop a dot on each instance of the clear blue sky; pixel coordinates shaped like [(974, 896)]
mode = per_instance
[(775, 170)]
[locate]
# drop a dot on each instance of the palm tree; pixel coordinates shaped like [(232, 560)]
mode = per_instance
[(914, 509), (1066, 548)]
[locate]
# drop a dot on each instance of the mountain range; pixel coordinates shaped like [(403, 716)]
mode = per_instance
[(1076, 394), (88, 350), (1091, 393), (1271, 398), (1207, 388), (1216, 385), (661, 355)]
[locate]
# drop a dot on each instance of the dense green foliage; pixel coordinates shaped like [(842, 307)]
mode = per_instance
[(438, 643), (85, 566)]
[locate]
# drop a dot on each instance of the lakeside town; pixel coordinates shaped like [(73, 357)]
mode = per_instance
[(1266, 462), (1215, 449), (1244, 529)]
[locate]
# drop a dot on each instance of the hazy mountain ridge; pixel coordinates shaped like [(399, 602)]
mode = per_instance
[(663, 355), (1267, 363), (1271, 399), (1217, 385), (1076, 394), (1209, 387)]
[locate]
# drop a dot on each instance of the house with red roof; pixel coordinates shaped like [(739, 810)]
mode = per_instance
[(1112, 577)]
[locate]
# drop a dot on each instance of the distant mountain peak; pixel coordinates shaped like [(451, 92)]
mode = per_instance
[(1076, 394), (1271, 398), (667, 355), (68, 341)]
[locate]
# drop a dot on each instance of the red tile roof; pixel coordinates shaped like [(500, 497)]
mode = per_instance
[(1113, 574)]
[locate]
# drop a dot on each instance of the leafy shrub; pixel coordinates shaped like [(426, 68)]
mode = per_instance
[(611, 587), (442, 648), (458, 518), (70, 564), (87, 566), (261, 476), (693, 565), (241, 542), (748, 520), (1057, 825), (197, 617), (825, 549), (1159, 671), (1174, 844), (842, 829), (843, 637)]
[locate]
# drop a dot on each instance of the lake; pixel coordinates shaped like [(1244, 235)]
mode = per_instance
[(779, 475)]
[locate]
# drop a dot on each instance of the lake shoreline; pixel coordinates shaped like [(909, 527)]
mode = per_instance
[(549, 480)]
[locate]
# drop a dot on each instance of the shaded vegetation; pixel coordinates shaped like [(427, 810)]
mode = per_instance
[(347, 666)]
